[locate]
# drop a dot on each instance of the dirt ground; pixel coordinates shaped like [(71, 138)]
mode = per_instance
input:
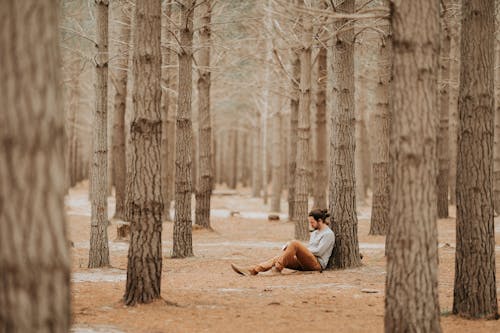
[(203, 294)]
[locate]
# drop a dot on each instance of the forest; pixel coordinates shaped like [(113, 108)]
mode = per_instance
[(249, 166)]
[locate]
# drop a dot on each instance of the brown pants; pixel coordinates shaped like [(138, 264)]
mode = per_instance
[(296, 256)]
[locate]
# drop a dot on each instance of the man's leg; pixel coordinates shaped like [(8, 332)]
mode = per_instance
[(297, 256)]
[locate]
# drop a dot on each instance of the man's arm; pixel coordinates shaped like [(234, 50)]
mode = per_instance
[(320, 247)]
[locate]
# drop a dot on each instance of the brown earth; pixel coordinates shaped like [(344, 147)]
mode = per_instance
[(203, 294)]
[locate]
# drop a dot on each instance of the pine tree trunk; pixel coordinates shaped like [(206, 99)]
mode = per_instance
[(475, 289), (183, 246), (205, 172), (320, 181), (120, 102), (444, 109), (99, 249), (381, 131), (496, 153), (294, 114), (276, 161), (412, 256), (145, 204), (256, 165), (342, 180), (34, 254), (303, 133)]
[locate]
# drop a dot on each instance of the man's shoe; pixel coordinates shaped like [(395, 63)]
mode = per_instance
[(242, 271)]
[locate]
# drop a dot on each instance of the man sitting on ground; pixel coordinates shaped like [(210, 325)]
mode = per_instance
[(296, 255)]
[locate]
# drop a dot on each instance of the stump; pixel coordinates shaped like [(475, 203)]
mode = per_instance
[(122, 230), (234, 213), (273, 217)]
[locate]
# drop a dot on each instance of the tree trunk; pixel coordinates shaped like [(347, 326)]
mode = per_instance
[(412, 256), (294, 120), (303, 133), (444, 109), (99, 249), (496, 153), (34, 255), (381, 131), (183, 243), (256, 165), (342, 180), (145, 204), (276, 160), (475, 290), (120, 102), (320, 181), (205, 172)]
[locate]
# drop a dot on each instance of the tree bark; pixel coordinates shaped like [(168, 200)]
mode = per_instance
[(412, 256), (320, 181), (34, 254), (145, 204), (205, 172), (496, 153), (294, 120), (183, 243), (303, 132), (256, 165), (342, 175), (276, 160), (99, 248), (120, 102), (475, 290), (381, 131)]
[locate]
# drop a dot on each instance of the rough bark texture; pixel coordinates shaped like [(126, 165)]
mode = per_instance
[(183, 246), (205, 172), (276, 161), (496, 154), (381, 131), (444, 109), (145, 204), (34, 255), (303, 133), (320, 181), (120, 101), (411, 303), (475, 289), (294, 113), (99, 249), (342, 181)]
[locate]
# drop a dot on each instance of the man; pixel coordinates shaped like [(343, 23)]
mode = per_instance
[(296, 255)]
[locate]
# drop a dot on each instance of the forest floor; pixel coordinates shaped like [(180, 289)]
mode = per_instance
[(203, 294)]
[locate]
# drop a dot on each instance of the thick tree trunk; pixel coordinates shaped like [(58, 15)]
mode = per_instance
[(381, 131), (205, 172), (183, 242), (320, 180), (411, 303), (99, 248), (145, 204), (120, 102), (342, 181), (303, 133), (475, 289), (294, 114), (34, 255), (496, 153), (276, 161), (444, 109)]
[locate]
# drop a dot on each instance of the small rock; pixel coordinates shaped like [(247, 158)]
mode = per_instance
[(370, 291), (274, 303), (273, 217), (234, 213)]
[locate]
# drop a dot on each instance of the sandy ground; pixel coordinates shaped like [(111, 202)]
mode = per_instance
[(203, 294)]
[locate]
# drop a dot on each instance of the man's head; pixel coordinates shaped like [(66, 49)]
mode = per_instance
[(317, 218)]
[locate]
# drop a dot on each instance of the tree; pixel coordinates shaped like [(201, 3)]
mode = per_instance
[(205, 172), (303, 131), (342, 181), (381, 130), (34, 255), (99, 248), (276, 158), (496, 153), (475, 289), (120, 9), (411, 303), (183, 239), (294, 114), (145, 204)]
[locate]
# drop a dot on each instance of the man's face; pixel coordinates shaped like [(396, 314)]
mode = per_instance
[(313, 223)]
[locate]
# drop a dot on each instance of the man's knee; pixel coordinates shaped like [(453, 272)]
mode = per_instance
[(294, 244)]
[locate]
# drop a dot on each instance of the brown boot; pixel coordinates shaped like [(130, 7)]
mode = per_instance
[(243, 271)]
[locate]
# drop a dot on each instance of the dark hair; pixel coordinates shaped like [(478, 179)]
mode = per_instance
[(320, 214)]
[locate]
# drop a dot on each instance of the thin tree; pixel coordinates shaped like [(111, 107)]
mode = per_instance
[(183, 238), (205, 172), (294, 120), (381, 129), (99, 248), (34, 254), (475, 288), (411, 303), (145, 204), (342, 180), (276, 157), (303, 131)]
